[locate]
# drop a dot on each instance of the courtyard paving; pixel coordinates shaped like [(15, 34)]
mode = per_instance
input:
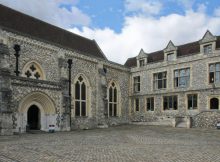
[(116, 144)]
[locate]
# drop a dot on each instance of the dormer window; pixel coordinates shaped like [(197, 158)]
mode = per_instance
[(170, 57), (141, 62), (207, 49)]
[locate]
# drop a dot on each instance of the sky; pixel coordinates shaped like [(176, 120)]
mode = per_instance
[(123, 27)]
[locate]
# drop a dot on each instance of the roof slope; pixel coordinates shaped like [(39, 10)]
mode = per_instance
[(183, 50), (15, 21)]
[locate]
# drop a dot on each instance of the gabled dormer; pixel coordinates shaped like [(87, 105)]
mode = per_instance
[(170, 52), (141, 58), (207, 43)]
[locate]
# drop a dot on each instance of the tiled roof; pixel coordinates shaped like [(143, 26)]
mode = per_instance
[(183, 50), (15, 21)]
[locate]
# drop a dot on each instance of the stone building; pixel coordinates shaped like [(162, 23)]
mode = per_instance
[(49, 76)]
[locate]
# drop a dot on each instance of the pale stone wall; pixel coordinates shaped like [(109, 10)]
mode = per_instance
[(199, 84)]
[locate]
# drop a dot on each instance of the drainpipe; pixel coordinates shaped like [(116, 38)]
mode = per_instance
[(70, 62), (17, 49)]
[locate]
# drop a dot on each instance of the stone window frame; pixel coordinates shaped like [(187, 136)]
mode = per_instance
[(179, 77), (171, 109), (187, 101), (136, 84), (209, 105), (155, 81), (88, 97), (171, 54), (33, 67), (146, 104), (118, 98), (214, 71), (141, 63), (208, 49), (136, 106)]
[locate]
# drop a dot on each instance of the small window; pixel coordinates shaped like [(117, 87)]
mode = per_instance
[(182, 77), (150, 104), (214, 73), (137, 104), (141, 62), (170, 57), (112, 100), (170, 103), (137, 84), (160, 80), (214, 103), (207, 49), (192, 101)]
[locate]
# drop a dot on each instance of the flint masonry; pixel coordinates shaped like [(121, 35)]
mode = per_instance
[(49, 76)]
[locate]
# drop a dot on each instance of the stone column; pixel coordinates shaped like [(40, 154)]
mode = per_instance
[(6, 118)]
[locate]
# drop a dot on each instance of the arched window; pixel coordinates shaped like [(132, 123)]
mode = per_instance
[(80, 97), (214, 103), (33, 70), (113, 97)]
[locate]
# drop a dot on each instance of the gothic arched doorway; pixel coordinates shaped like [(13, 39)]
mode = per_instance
[(214, 103), (33, 117)]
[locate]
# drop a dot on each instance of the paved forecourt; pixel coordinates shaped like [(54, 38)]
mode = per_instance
[(115, 144)]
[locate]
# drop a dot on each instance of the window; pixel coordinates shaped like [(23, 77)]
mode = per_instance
[(170, 103), (160, 80), (33, 70), (207, 49), (150, 104), (141, 63), (192, 101), (182, 77), (214, 103), (80, 97), (137, 104), (214, 73), (170, 57), (112, 100), (137, 84)]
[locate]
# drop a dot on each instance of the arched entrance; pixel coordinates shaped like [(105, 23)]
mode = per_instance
[(214, 103), (36, 111), (33, 118)]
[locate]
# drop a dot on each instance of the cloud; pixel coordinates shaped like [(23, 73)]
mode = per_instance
[(51, 12), (147, 7), (151, 33), (217, 11)]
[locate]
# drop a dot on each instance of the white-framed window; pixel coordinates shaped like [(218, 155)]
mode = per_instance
[(170, 103), (160, 80), (80, 97), (170, 57), (150, 104), (192, 101), (207, 49), (214, 73), (182, 77), (113, 100), (137, 84), (141, 62)]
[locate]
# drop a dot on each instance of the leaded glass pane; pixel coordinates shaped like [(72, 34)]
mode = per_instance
[(217, 67), (83, 110), (77, 90), (211, 68), (115, 95), (110, 109), (217, 77), (110, 94), (83, 91), (77, 108), (115, 109)]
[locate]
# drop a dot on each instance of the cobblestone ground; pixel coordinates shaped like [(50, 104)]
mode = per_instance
[(121, 143)]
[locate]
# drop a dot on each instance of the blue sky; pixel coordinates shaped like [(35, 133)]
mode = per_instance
[(123, 27)]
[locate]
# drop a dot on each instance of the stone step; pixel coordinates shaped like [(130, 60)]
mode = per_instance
[(181, 125), (162, 123)]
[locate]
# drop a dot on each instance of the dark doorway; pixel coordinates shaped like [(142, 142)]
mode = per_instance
[(33, 116), (214, 103)]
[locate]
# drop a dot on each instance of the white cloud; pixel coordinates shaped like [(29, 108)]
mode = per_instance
[(50, 11), (148, 7), (151, 34), (217, 11)]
